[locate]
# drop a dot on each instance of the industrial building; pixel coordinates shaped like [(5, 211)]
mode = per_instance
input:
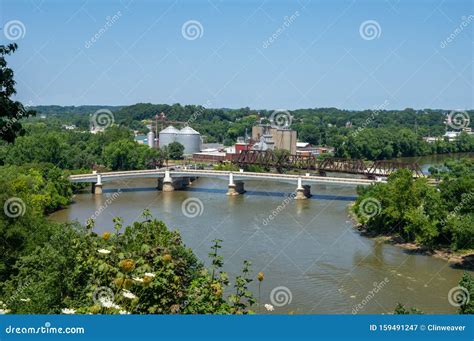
[(188, 137), (269, 137), (306, 149)]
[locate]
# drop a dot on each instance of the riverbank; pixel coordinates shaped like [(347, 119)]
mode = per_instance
[(460, 259)]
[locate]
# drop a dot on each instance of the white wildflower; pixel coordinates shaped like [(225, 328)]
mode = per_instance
[(108, 303), (128, 294), (68, 311), (104, 251), (4, 311), (124, 312), (25, 299), (149, 274), (269, 307), (136, 279)]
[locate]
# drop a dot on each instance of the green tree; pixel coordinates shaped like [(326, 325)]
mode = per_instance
[(11, 112), (126, 155), (175, 151)]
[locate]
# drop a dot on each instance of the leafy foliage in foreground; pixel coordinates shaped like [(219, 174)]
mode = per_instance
[(467, 306), (421, 213), (145, 269), (26, 193)]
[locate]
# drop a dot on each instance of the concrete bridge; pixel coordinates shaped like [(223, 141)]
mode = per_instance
[(169, 180)]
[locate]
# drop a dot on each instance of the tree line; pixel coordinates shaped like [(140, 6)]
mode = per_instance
[(368, 134)]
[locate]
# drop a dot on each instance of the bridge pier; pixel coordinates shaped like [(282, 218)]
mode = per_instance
[(96, 187), (235, 187), (167, 182), (302, 191)]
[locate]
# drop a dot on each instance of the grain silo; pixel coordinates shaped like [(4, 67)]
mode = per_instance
[(167, 136), (190, 139), (151, 139)]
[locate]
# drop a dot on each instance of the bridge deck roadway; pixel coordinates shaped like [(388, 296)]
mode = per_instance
[(159, 173)]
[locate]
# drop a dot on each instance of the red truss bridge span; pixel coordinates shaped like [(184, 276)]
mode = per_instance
[(283, 162)]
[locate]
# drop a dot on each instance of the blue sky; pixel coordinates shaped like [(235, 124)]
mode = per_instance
[(319, 58)]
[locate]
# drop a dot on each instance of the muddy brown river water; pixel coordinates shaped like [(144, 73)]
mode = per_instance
[(312, 257)]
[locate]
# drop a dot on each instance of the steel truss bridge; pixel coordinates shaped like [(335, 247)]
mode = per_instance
[(310, 163)]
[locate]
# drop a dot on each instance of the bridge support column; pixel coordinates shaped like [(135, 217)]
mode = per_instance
[(235, 187), (167, 182), (97, 186), (302, 191)]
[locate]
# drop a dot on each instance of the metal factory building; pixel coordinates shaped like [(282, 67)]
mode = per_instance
[(274, 137)]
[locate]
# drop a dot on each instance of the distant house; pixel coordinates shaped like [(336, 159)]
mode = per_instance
[(431, 139), (301, 145)]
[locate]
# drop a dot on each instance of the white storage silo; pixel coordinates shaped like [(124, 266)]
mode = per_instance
[(151, 139), (167, 136), (190, 139)]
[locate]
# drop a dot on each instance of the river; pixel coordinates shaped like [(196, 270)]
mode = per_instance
[(308, 250)]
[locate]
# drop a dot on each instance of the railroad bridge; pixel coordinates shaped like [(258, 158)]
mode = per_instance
[(328, 165)]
